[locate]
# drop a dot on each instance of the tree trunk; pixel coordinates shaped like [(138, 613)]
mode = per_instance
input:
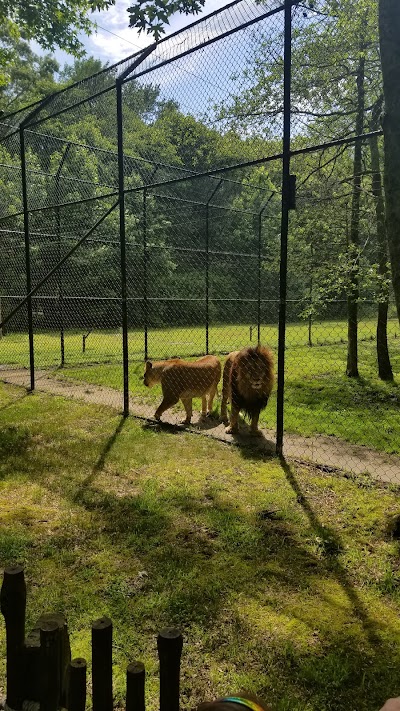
[(353, 293), (389, 28), (384, 366)]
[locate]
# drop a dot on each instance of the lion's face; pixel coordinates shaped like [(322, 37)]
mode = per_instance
[(254, 371), (151, 375)]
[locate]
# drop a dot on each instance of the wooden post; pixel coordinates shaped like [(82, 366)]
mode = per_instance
[(102, 664), (32, 682), (50, 645), (13, 605), (169, 645), (135, 678), (76, 690)]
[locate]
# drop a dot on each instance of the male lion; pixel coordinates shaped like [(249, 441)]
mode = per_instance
[(184, 380), (247, 382)]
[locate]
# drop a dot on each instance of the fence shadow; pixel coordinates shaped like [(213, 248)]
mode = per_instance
[(329, 535), (15, 401), (99, 465), (254, 447)]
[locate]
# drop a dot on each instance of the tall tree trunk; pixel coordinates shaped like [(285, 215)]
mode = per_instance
[(353, 294), (384, 366), (389, 29)]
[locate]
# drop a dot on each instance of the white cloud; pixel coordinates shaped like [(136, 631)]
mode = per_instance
[(105, 46)]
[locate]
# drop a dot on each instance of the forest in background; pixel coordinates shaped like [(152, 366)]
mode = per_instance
[(338, 262)]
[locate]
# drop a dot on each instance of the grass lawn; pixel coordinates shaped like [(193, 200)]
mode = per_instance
[(284, 579), (106, 346), (319, 398)]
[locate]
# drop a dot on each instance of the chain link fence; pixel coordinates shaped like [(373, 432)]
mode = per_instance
[(150, 212)]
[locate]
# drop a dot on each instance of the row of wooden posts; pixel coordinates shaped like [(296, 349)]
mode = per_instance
[(40, 668)]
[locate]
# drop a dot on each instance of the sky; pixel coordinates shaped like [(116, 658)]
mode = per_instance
[(108, 48)]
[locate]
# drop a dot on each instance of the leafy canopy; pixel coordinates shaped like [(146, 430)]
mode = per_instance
[(152, 15), (51, 23)]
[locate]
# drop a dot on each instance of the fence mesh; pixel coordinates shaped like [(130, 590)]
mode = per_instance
[(198, 181)]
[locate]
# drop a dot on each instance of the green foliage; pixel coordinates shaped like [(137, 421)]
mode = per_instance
[(50, 24), (25, 77), (161, 140), (156, 529), (153, 16)]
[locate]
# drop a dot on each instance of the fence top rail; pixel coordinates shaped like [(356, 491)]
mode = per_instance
[(215, 25)]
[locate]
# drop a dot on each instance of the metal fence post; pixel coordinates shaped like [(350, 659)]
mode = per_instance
[(259, 277), (59, 273), (60, 287), (284, 223), (145, 277), (207, 275), (122, 238), (122, 235), (27, 255)]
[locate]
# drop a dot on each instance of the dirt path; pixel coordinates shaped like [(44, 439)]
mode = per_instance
[(324, 451)]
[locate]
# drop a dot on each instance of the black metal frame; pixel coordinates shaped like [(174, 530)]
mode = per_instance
[(36, 117)]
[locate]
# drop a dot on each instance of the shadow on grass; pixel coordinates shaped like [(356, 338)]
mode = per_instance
[(14, 440), (207, 562), (201, 552), (15, 401), (331, 542), (99, 465), (254, 447)]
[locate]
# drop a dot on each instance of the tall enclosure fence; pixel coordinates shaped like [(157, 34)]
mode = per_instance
[(42, 675), (210, 192)]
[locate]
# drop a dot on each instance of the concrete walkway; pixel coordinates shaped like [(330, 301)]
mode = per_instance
[(329, 452)]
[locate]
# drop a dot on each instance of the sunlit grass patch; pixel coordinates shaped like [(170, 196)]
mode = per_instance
[(319, 397), (284, 579)]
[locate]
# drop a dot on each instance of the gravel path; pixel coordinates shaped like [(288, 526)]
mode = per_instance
[(329, 452)]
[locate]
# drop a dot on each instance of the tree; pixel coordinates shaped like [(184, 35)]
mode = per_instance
[(353, 294), (152, 15), (384, 365), (51, 24), (336, 82), (30, 77), (389, 27)]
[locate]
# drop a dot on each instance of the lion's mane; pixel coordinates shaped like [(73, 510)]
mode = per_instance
[(248, 361)]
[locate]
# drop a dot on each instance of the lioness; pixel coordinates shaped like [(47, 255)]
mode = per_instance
[(183, 380), (247, 382)]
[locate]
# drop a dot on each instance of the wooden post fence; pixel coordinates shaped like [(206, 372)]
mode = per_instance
[(40, 669)]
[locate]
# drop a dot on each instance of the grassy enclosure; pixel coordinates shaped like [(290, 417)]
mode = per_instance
[(283, 578), (319, 398), (172, 204)]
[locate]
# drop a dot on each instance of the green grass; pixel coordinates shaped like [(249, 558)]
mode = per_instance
[(320, 399), (284, 579), (106, 346)]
